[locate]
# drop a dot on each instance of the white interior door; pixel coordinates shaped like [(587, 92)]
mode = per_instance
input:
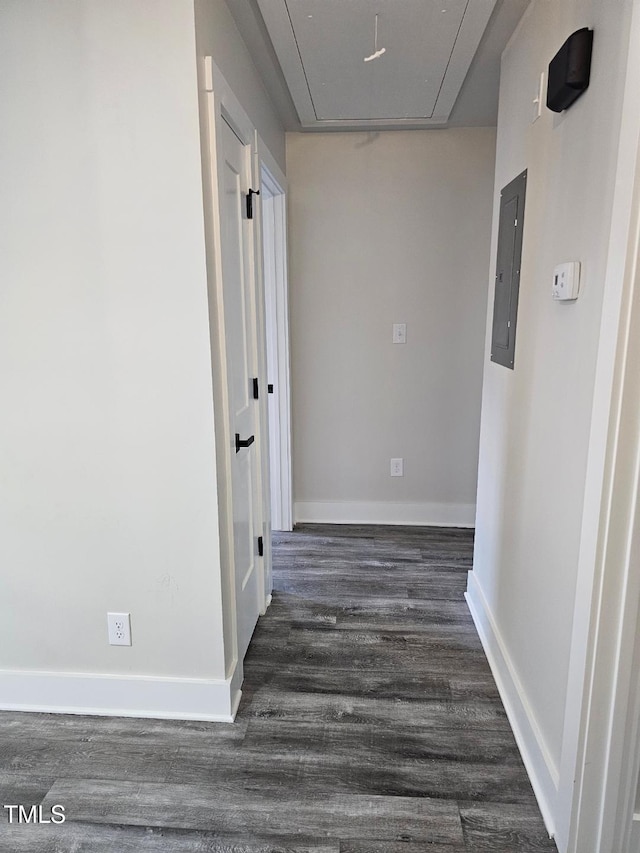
[(240, 336)]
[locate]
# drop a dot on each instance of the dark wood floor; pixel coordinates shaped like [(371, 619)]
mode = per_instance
[(370, 723)]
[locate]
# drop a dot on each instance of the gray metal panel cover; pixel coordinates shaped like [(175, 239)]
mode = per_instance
[(507, 285)]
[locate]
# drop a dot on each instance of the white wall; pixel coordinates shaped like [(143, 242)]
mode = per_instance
[(217, 36), (388, 227), (537, 419), (107, 496)]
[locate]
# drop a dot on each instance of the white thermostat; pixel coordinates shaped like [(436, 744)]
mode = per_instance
[(566, 281)]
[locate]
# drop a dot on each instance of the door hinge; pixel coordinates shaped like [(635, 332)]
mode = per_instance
[(270, 388), (250, 196), (260, 546), (256, 389)]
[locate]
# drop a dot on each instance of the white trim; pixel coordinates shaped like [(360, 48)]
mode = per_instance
[(266, 159), (268, 279), (214, 700), (284, 364), (261, 353), (322, 125), (277, 295), (236, 692), (230, 106), (266, 581), (536, 756), (611, 760), (621, 820), (598, 673), (386, 512)]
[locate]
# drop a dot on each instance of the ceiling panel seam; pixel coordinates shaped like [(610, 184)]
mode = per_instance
[(304, 70), (453, 47)]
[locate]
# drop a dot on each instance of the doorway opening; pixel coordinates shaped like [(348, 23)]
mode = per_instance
[(274, 242)]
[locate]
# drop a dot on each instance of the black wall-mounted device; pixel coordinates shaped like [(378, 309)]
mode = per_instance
[(569, 70)]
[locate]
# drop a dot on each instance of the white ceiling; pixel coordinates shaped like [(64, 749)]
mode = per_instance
[(440, 68)]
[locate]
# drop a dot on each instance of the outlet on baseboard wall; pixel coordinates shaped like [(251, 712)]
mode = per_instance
[(119, 625), (397, 467)]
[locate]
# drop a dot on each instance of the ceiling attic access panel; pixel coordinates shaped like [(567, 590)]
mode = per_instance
[(403, 83), (321, 46)]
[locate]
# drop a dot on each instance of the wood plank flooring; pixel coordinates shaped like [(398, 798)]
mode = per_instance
[(370, 723)]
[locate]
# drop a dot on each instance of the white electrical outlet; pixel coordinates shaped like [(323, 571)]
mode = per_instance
[(119, 629), (397, 467), (399, 333)]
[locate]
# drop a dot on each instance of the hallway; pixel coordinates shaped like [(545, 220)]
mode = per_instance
[(370, 723)]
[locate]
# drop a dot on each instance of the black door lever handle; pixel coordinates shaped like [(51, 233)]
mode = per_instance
[(243, 443)]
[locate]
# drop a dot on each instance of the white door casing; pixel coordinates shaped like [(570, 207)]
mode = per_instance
[(601, 739), (270, 317), (274, 234)]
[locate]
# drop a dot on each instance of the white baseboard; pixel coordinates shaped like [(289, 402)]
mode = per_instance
[(121, 696), (537, 759), (385, 512)]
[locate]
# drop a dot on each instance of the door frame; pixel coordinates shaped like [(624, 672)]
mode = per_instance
[(273, 179), (222, 105), (611, 754), (601, 743)]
